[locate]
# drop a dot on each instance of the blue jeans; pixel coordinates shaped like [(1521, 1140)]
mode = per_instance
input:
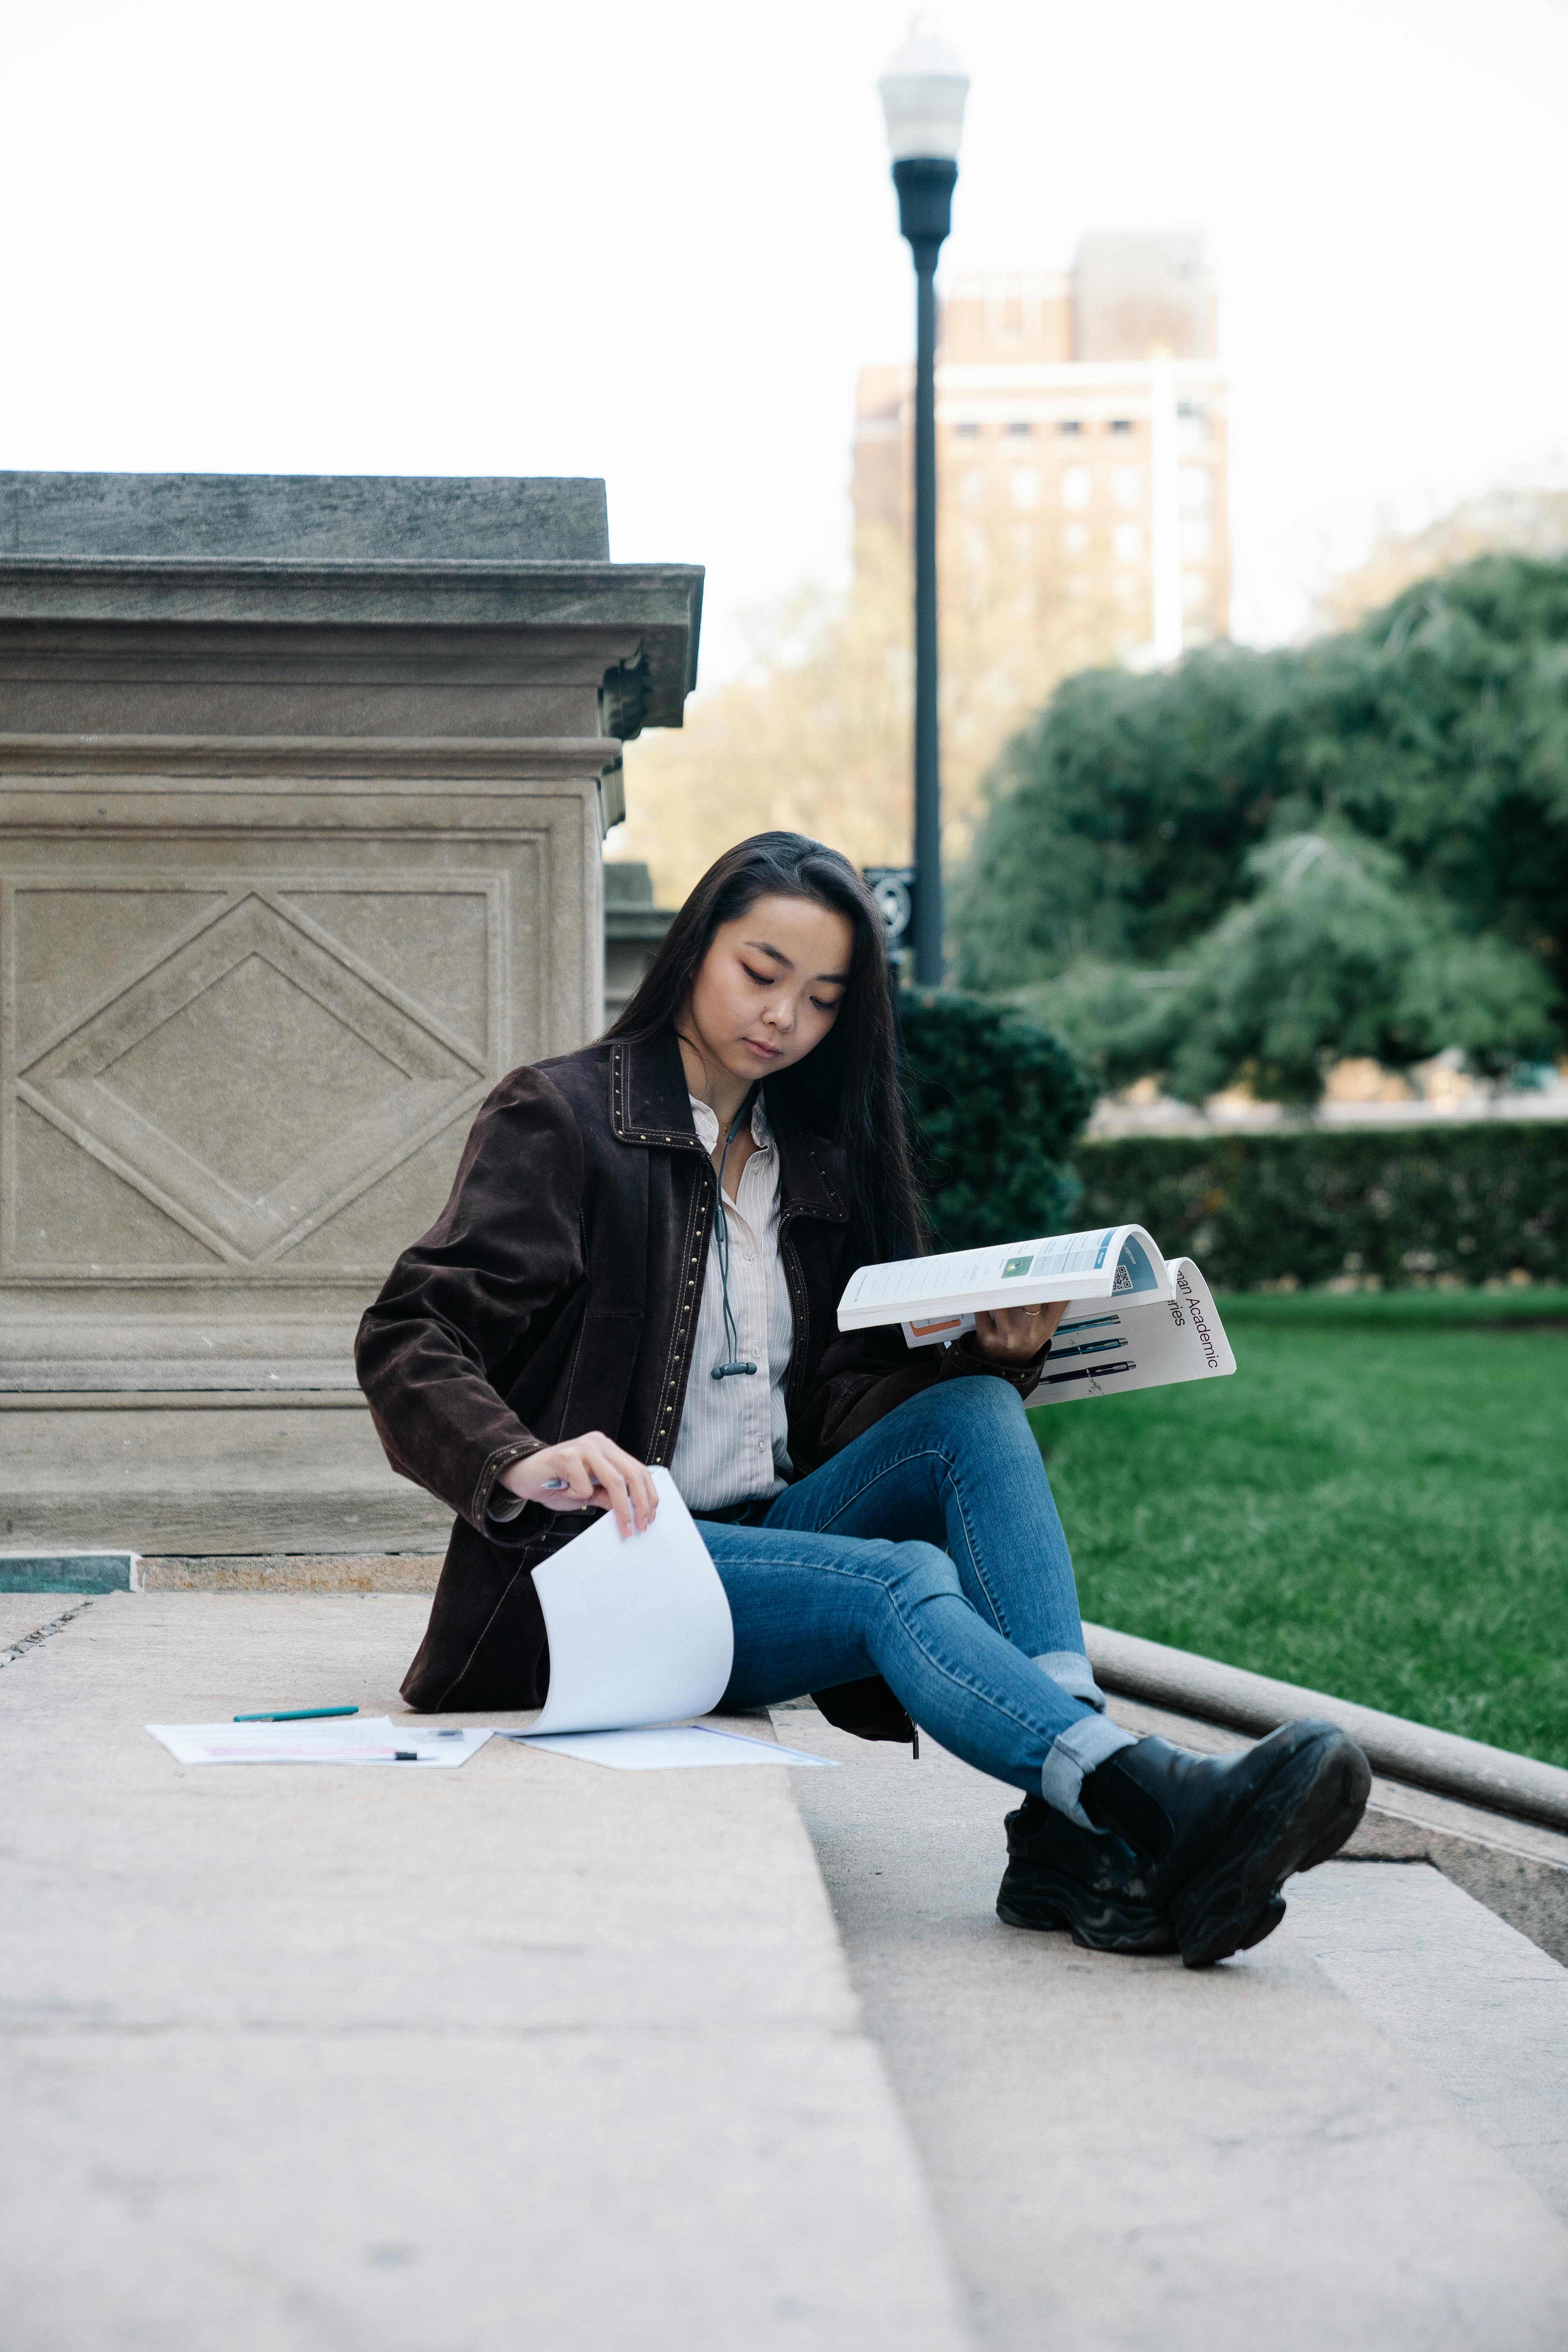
[(929, 1552)]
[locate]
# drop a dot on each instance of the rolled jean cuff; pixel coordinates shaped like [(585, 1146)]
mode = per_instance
[(1071, 1671), (1077, 1752)]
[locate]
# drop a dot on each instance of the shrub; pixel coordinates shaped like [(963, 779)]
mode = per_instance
[(999, 1103), (1394, 1207)]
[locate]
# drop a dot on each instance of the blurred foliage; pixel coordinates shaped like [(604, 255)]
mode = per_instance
[(1523, 521), (1333, 955), (1412, 1205), (1123, 829), (816, 732), (998, 1105)]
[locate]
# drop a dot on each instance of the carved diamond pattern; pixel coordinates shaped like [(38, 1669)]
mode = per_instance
[(253, 1080)]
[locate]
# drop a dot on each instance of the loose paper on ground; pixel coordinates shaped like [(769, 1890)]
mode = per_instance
[(351, 1739), (655, 1748), (639, 1632)]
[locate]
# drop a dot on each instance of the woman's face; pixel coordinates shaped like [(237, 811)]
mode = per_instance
[(769, 986)]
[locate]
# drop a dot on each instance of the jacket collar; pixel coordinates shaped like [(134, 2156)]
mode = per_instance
[(649, 1105), (648, 1099)]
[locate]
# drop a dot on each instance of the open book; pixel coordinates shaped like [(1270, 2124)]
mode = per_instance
[(1134, 1319)]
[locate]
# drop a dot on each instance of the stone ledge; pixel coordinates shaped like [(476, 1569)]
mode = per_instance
[(293, 1573), (1467, 1770)]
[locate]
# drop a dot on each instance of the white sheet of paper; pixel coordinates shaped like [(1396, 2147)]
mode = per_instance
[(340, 1739), (639, 1627), (662, 1747)]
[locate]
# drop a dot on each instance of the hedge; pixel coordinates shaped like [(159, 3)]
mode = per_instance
[(1393, 1208), (998, 1103)]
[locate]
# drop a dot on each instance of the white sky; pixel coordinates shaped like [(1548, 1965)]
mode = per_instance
[(654, 243)]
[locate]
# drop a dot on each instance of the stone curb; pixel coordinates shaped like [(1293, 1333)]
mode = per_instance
[(1440, 1760)]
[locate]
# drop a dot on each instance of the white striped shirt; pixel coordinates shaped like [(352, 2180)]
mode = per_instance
[(734, 1442)]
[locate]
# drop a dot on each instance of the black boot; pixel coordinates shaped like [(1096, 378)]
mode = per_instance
[(1059, 1876), (1220, 1834)]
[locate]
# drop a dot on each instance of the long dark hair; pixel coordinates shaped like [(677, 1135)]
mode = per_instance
[(850, 1088)]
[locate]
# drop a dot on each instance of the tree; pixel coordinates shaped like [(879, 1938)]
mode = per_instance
[(814, 735), (998, 1103), (1334, 955), (1512, 522), (1120, 824)]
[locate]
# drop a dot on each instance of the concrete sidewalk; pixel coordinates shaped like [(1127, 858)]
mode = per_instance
[(1307, 2148), (306, 2059)]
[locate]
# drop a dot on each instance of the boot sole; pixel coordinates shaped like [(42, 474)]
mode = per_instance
[(1033, 1896), (1299, 1818)]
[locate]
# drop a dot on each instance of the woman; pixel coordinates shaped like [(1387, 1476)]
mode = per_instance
[(640, 1265)]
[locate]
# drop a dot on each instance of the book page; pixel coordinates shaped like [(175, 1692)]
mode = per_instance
[(344, 1739), (1131, 1341), (923, 1291)]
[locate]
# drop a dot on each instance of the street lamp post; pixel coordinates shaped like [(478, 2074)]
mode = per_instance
[(923, 91)]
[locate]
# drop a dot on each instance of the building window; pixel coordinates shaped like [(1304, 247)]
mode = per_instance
[(1121, 424), (1198, 535), (1025, 485), (1069, 425), (1127, 542), (967, 432), (1192, 424), (1074, 538), (976, 549), (971, 488), (1077, 486), (1195, 489), (1196, 596), (1127, 485), (1020, 432)]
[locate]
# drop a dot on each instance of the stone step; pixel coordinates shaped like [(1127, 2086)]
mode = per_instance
[(528, 2052), (1332, 2140)]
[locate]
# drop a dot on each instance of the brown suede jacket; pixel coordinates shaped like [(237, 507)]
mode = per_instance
[(557, 1292)]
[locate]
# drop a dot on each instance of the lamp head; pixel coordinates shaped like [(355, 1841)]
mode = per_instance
[(923, 91)]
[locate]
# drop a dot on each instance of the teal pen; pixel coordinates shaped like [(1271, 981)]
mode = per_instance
[(296, 1714)]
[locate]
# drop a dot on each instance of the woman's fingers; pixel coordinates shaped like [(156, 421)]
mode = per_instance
[(594, 1474), (628, 1479), (621, 1483), (611, 1481), (1013, 1334)]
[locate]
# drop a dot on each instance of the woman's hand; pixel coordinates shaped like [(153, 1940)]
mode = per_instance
[(598, 1477), (1013, 1334)]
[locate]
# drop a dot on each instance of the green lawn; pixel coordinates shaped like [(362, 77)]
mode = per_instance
[(1376, 1506)]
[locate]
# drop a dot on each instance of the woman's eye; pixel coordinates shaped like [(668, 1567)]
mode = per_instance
[(827, 1008), (763, 979)]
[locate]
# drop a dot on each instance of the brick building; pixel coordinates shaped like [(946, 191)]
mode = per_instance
[(1080, 444)]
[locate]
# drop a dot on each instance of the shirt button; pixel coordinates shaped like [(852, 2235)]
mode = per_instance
[(762, 1445)]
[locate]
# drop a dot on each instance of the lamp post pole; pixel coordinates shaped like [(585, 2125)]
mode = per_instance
[(924, 92), (925, 212)]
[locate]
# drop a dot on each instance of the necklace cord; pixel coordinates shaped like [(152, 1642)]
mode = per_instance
[(734, 1361)]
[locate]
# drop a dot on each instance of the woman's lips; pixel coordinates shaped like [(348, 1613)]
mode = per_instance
[(768, 1053)]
